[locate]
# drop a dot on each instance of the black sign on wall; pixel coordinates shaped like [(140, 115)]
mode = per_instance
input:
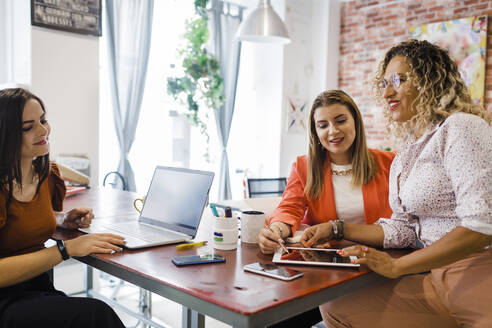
[(77, 16)]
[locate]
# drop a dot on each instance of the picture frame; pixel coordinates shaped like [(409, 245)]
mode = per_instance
[(466, 41), (75, 16)]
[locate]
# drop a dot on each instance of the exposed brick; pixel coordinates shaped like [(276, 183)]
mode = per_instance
[(480, 6), (383, 26), (437, 8), (460, 10), (414, 6)]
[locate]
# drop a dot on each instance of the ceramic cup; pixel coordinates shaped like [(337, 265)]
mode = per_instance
[(251, 224), (225, 233)]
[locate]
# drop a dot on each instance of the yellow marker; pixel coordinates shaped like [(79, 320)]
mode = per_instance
[(191, 245)]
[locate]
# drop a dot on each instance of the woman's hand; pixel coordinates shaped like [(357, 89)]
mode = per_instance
[(94, 243), (269, 237), (80, 217), (377, 261), (318, 235)]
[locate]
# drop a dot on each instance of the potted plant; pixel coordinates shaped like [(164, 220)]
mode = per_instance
[(201, 88)]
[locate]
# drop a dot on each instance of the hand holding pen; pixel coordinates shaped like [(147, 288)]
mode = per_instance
[(280, 241)]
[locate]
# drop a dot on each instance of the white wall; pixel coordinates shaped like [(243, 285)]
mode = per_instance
[(65, 75), (3, 42), (299, 70), (62, 69), (255, 131), (15, 46), (310, 66)]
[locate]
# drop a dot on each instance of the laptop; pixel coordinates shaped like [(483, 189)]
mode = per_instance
[(171, 212)]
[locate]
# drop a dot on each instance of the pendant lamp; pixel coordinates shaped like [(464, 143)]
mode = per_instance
[(263, 25)]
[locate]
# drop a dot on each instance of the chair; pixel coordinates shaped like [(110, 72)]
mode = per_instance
[(266, 187)]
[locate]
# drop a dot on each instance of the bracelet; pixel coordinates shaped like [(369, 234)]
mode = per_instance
[(62, 249), (335, 229), (340, 225)]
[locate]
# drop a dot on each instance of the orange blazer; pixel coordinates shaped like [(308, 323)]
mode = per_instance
[(295, 207)]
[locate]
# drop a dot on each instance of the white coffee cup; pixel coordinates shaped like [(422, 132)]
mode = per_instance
[(225, 233), (251, 224)]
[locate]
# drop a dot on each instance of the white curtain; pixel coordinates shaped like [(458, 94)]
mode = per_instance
[(129, 33), (224, 19)]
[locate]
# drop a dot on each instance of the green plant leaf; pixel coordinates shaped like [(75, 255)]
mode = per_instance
[(201, 88)]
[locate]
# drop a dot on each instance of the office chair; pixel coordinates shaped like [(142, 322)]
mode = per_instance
[(266, 187)]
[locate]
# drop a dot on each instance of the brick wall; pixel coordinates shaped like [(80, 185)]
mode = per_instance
[(370, 27)]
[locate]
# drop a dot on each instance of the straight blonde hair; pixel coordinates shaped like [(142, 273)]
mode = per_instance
[(364, 166)]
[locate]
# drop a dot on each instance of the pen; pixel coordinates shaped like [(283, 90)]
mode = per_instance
[(280, 241), (214, 210), (191, 245)]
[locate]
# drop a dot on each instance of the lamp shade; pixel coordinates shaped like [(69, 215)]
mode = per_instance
[(263, 25)]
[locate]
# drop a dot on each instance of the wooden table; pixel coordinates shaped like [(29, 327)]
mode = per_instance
[(223, 291)]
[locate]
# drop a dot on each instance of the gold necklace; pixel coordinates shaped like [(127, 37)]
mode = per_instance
[(342, 173)]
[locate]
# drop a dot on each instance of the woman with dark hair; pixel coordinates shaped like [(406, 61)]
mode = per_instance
[(340, 178), (441, 197), (30, 191)]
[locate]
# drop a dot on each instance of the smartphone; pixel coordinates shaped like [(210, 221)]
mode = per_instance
[(198, 259), (273, 271)]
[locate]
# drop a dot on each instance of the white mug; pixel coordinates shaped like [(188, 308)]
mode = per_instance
[(225, 233), (251, 224)]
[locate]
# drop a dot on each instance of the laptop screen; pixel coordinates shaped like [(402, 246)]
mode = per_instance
[(176, 198)]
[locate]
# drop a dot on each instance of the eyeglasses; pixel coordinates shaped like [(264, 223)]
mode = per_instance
[(395, 80)]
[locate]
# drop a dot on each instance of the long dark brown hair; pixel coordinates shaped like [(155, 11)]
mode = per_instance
[(364, 167), (12, 103)]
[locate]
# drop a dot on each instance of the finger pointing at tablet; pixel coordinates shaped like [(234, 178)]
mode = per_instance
[(378, 261)]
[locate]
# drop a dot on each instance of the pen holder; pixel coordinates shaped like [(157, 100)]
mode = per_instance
[(225, 233)]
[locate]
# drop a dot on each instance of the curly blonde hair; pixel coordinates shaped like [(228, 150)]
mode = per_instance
[(441, 90)]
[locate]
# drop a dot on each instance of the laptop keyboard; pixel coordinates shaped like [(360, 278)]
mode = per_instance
[(146, 233)]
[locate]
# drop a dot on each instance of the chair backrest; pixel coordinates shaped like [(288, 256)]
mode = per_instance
[(266, 187)]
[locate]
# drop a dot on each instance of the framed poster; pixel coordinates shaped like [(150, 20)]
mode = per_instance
[(77, 16), (466, 41)]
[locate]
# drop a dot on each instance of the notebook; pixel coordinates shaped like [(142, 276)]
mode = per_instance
[(171, 212)]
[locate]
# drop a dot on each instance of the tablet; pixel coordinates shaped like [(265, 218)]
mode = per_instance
[(314, 256)]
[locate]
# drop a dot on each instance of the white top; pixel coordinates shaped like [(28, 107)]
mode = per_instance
[(439, 182), (348, 199)]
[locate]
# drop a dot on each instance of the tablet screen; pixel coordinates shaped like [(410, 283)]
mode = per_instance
[(313, 256)]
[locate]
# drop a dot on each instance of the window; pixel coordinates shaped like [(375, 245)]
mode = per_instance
[(157, 131)]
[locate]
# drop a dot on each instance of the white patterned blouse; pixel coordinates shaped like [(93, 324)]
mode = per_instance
[(439, 182)]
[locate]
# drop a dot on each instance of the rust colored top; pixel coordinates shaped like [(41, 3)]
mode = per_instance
[(295, 207), (25, 226)]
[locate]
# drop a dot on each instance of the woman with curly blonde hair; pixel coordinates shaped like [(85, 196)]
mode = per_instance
[(441, 197), (441, 90)]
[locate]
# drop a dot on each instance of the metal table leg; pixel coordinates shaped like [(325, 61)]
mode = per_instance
[(192, 319), (88, 283)]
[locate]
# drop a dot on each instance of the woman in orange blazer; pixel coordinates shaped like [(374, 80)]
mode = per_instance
[(340, 178)]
